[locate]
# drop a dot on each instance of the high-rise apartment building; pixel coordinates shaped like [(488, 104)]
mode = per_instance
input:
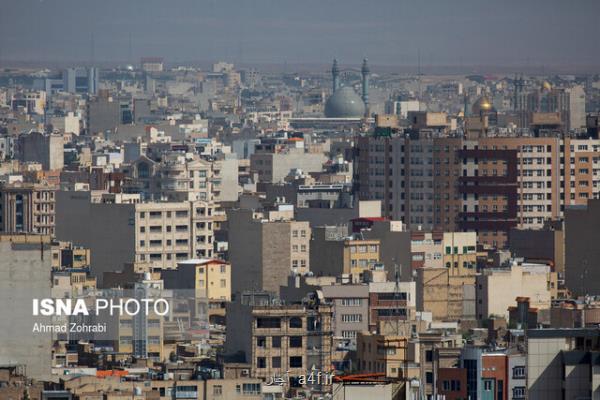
[(488, 185)]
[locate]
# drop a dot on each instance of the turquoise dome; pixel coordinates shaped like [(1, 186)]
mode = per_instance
[(344, 103)]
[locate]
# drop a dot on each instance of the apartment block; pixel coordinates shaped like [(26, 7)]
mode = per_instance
[(562, 363), (498, 288), (207, 278), (264, 248), (274, 165), (27, 208), (334, 253), (41, 148), (377, 353), (487, 185), (391, 303), (126, 230), (65, 255), (277, 339), (350, 317), (175, 178)]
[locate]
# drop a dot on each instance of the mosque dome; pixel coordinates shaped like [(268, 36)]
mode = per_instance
[(546, 86), (483, 104), (344, 103)]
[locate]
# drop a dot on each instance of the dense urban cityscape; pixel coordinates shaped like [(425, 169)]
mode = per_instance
[(336, 230)]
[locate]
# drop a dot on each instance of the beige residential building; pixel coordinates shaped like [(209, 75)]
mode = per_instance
[(27, 208), (498, 288), (176, 178), (460, 253), (65, 255), (71, 283), (447, 297), (386, 354), (168, 232), (208, 278), (290, 339), (149, 341)]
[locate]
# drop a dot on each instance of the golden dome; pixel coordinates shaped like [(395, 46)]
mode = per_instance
[(546, 85), (482, 104)]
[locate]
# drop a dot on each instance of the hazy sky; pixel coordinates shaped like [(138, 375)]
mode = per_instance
[(389, 32)]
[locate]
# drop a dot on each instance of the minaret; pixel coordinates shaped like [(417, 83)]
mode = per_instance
[(365, 86), (335, 73)]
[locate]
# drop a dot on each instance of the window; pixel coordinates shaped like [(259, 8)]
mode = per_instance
[(251, 388), (295, 341), (295, 322), (126, 339), (351, 302), (429, 356), (429, 377), (268, 322), (276, 342), (519, 372), (487, 385), (153, 339), (518, 392), (391, 312), (351, 318), (261, 341), (392, 296), (296, 362), (349, 334), (276, 362), (261, 362)]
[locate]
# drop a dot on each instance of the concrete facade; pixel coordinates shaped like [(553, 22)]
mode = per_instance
[(497, 289), (24, 276), (581, 251), (263, 252), (45, 149)]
